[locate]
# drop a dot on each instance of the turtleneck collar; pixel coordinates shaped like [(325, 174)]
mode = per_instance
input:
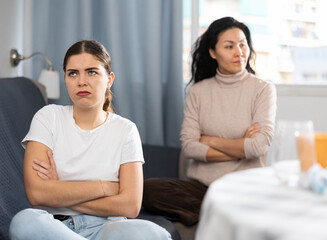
[(231, 80)]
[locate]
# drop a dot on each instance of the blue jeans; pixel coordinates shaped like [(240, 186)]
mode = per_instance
[(36, 224)]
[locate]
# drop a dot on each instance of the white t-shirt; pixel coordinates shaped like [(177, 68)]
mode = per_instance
[(85, 155)]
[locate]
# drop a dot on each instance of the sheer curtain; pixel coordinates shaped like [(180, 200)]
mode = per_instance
[(144, 38)]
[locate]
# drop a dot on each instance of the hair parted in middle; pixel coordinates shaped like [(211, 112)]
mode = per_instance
[(99, 51), (203, 65)]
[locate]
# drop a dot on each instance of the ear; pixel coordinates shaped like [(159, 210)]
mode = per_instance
[(212, 53), (111, 78), (65, 77)]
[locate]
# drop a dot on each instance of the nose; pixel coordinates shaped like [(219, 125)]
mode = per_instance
[(81, 80), (238, 51)]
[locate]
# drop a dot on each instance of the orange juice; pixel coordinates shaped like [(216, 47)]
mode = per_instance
[(305, 150), (321, 148)]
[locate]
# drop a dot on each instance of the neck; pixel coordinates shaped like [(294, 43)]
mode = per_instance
[(88, 119), (231, 80)]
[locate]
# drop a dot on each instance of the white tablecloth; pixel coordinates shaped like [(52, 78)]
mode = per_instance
[(253, 205)]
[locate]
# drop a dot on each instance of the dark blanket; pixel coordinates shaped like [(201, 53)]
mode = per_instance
[(20, 98)]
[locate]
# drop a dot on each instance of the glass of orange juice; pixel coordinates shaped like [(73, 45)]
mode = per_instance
[(321, 148), (293, 151)]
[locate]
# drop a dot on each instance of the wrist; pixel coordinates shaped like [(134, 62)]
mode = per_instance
[(214, 142), (104, 193)]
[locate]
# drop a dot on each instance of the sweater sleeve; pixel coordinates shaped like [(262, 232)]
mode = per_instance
[(191, 130), (264, 113)]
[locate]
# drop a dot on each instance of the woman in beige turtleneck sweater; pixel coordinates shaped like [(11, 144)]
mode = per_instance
[(229, 120)]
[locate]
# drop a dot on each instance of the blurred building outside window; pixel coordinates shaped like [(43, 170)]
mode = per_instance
[(289, 36)]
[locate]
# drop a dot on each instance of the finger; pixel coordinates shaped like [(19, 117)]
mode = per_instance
[(35, 167), (50, 154), (254, 130), (43, 176), (52, 162), (42, 164), (254, 127), (249, 132), (254, 133), (40, 169), (45, 165), (256, 124)]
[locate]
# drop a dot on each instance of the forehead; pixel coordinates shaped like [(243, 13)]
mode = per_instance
[(83, 60), (232, 34)]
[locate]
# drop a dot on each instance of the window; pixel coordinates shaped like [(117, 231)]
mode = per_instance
[(289, 37)]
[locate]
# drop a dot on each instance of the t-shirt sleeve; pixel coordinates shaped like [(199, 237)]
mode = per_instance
[(132, 146), (264, 114), (40, 128)]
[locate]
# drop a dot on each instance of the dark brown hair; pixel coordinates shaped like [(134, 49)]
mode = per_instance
[(99, 51), (203, 65)]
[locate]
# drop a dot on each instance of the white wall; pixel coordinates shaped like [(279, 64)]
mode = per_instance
[(11, 28), (15, 28), (303, 102)]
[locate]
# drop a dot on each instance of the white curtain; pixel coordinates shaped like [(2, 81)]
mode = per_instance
[(144, 38)]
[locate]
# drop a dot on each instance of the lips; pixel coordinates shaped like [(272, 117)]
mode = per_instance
[(238, 62), (83, 93)]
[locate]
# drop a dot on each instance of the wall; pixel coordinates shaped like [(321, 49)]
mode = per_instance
[(15, 25), (302, 102), (11, 28)]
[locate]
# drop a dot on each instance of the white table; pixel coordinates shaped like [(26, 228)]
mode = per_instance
[(253, 205)]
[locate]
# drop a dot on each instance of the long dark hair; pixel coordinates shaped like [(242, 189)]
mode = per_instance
[(203, 66), (99, 51)]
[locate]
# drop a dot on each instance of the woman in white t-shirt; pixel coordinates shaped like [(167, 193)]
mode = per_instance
[(83, 163)]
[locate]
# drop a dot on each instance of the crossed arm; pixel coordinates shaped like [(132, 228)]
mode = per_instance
[(224, 149), (100, 198)]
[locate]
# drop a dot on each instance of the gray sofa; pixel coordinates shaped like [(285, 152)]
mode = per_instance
[(20, 98)]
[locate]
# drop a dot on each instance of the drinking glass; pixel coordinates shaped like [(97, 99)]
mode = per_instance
[(321, 148), (293, 151)]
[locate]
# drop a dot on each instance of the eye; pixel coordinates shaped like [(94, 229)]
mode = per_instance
[(229, 47), (91, 72), (72, 74), (243, 45)]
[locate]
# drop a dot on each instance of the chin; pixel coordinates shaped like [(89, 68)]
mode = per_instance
[(239, 69)]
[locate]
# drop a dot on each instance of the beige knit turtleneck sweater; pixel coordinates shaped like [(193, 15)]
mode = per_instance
[(225, 106)]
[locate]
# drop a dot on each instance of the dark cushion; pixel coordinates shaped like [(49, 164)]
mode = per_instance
[(20, 98), (160, 161)]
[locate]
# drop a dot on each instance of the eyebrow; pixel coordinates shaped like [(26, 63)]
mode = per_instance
[(230, 41), (92, 68), (87, 69)]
